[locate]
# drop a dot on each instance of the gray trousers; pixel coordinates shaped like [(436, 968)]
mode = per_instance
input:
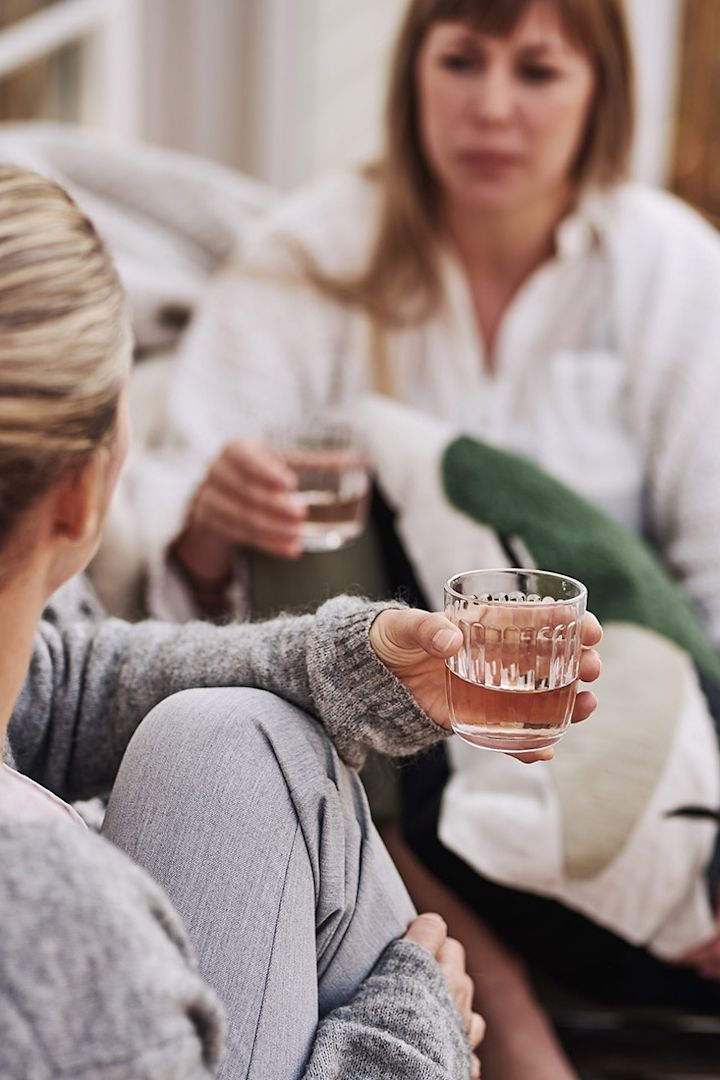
[(238, 805)]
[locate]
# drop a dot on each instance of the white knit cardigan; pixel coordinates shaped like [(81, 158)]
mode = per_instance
[(606, 368)]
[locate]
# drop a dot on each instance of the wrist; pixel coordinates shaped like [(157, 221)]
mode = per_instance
[(207, 580)]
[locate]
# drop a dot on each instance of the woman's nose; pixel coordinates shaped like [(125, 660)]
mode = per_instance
[(493, 100)]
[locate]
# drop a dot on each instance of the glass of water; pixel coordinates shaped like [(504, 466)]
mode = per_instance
[(333, 480), (512, 685)]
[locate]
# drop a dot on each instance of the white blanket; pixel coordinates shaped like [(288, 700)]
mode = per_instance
[(170, 220)]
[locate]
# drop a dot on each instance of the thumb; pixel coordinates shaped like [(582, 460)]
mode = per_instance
[(408, 629), (428, 930)]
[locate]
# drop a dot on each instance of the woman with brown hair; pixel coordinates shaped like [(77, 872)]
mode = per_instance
[(493, 269)]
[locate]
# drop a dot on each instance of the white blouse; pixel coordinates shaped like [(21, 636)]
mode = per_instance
[(606, 368)]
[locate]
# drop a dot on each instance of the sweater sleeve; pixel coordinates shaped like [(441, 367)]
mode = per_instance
[(92, 681), (96, 975), (401, 1022)]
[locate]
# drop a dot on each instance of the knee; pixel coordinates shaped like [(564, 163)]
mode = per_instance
[(236, 730), (216, 755), (202, 717), (231, 762)]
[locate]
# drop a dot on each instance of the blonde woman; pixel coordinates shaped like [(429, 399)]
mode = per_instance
[(234, 800)]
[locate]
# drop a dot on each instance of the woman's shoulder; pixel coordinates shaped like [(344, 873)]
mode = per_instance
[(78, 875), (665, 262), (653, 223), (91, 944), (333, 219)]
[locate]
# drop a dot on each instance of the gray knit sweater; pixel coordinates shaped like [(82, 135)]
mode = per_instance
[(97, 980)]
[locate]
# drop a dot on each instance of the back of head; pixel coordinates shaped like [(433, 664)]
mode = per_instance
[(64, 340)]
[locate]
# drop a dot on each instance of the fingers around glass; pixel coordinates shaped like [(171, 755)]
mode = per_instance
[(590, 666), (585, 705), (332, 480), (476, 1034), (259, 463), (591, 630)]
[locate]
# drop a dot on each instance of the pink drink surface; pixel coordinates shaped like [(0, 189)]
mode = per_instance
[(505, 719), (327, 508)]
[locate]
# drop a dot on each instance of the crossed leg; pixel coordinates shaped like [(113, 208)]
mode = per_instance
[(236, 802)]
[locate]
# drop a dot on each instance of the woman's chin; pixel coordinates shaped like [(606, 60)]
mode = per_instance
[(488, 197)]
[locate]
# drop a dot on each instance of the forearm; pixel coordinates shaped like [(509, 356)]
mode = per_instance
[(92, 682), (401, 1023)]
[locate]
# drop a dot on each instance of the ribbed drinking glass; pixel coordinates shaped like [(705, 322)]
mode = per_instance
[(512, 685)]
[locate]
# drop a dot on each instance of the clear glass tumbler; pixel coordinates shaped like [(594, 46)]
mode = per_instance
[(333, 480), (512, 685)]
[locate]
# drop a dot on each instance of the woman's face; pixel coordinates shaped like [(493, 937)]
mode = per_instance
[(502, 119)]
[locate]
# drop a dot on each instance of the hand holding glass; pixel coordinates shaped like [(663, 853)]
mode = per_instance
[(512, 685)]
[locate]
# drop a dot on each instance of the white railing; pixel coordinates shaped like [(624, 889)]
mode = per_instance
[(110, 31)]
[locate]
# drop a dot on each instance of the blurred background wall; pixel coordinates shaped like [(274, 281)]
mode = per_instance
[(314, 76), (284, 89)]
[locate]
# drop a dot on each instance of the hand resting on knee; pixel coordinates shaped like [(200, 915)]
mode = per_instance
[(430, 931)]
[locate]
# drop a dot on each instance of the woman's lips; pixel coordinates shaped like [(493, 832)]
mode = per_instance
[(489, 161)]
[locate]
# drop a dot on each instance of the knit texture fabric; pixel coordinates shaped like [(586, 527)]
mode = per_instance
[(402, 993), (92, 681), (108, 987), (97, 975)]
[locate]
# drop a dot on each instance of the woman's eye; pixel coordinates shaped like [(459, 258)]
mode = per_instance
[(459, 62), (538, 73)]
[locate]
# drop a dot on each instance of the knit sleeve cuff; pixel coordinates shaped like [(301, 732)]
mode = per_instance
[(361, 704), (421, 1009)]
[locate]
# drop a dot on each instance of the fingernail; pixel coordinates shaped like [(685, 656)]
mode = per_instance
[(444, 638)]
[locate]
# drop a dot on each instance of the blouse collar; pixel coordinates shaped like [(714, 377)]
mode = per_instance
[(583, 229)]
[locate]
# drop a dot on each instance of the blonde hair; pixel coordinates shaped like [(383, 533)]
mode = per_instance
[(64, 340), (402, 280)]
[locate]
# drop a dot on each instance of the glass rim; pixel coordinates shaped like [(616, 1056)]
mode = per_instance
[(311, 423), (582, 589), (342, 437)]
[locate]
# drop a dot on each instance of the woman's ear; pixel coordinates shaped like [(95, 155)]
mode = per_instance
[(76, 507), (78, 502), (74, 515)]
